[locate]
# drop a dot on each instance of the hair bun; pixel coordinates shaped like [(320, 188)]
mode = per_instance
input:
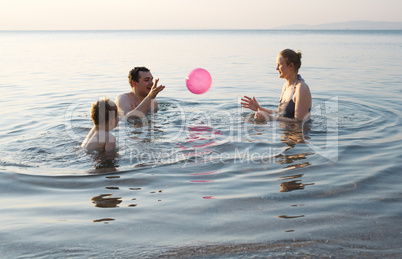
[(292, 56), (299, 54)]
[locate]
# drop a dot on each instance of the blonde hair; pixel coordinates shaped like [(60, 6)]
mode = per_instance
[(292, 56)]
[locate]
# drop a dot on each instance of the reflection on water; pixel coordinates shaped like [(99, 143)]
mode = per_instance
[(106, 201), (112, 187), (285, 159), (199, 136), (105, 220), (290, 217), (293, 133), (105, 162), (292, 185), (113, 177), (124, 195)]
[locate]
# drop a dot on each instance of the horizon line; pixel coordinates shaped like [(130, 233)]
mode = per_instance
[(271, 29)]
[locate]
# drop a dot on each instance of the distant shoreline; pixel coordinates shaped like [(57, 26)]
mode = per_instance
[(351, 25), (337, 26), (207, 30)]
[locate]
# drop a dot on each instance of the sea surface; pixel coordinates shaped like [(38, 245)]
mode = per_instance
[(201, 178)]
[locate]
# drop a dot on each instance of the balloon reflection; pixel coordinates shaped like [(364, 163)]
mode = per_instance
[(199, 136)]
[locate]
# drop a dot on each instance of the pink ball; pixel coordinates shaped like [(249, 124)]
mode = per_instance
[(199, 81)]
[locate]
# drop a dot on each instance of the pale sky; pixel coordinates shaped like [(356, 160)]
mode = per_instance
[(188, 14)]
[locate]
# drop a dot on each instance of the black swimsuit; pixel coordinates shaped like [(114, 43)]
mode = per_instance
[(287, 109)]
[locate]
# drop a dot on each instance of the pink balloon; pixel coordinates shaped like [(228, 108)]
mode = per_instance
[(199, 81)]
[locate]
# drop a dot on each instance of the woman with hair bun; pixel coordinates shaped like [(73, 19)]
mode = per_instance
[(295, 102)]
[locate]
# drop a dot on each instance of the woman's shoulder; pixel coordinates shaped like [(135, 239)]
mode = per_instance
[(302, 86), (302, 91)]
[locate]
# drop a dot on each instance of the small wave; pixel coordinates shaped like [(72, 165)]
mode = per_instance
[(7, 164)]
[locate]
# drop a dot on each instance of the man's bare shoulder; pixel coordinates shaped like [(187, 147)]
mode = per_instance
[(123, 103), (123, 97)]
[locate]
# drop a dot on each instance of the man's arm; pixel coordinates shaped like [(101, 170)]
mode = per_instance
[(143, 107)]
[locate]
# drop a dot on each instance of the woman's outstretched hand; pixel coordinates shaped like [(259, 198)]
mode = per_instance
[(250, 103)]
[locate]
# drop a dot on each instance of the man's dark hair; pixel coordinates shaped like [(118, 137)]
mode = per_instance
[(134, 74)]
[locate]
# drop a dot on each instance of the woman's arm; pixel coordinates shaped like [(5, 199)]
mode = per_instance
[(302, 101), (252, 104)]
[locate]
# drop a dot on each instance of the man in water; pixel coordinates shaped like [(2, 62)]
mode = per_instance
[(141, 99)]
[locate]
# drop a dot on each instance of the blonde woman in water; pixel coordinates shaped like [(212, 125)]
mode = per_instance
[(295, 102)]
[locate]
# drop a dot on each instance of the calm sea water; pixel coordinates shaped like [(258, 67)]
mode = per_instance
[(200, 178)]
